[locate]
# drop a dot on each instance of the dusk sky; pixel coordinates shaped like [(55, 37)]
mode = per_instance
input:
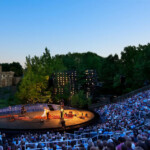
[(100, 26)]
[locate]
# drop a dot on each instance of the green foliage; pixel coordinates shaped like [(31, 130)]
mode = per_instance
[(15, 67), (65, 96), (134, 64), (34, 85), (11, 100), (74, 100), (79, 100)]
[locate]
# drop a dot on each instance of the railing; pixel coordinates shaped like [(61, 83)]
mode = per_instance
[(46, 144), (77, 137), (123, 97), (91, 135)]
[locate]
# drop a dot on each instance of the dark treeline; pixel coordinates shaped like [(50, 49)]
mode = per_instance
[(15, 67), (117, 75)]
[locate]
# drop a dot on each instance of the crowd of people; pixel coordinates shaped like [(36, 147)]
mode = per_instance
[(124, 126), (126, 115)]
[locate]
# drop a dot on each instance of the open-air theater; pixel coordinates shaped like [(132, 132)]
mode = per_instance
[(124, 124)]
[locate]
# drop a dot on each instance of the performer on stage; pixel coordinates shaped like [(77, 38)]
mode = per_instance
[(63, 123), (23, 110), (62, 113), (46, 113), (62, 109)]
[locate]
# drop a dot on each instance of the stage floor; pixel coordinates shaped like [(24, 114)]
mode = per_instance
[(33, 122)]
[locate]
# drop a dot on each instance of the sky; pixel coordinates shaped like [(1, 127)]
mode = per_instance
[(101, 26)]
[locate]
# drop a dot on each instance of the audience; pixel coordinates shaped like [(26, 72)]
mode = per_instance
[(125, 126)]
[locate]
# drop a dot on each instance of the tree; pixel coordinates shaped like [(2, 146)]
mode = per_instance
[(33, 87), (79, 100), (134, 64), (15, 67)]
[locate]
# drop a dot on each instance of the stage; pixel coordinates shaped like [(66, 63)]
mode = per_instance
[(33, 120)]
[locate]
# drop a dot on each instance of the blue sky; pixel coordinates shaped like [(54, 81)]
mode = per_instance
[(101, 26)]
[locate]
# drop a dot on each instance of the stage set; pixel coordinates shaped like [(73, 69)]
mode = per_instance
[(47, 119)]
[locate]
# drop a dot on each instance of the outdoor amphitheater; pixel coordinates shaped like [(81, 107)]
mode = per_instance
[(35, 117), (126, 121)]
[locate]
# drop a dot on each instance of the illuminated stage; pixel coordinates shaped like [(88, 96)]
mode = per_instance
[(33, 120)]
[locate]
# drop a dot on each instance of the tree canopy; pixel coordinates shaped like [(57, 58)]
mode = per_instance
[(117, 75), (15, 67), (34, 85)]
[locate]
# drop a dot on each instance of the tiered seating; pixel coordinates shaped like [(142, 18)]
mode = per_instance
[(125, 126)]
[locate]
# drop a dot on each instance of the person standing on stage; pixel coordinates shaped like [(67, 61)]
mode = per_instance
[(61, 113), (62, 109)]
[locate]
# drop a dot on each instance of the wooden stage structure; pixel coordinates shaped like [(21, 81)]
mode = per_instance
[(33, 120)]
